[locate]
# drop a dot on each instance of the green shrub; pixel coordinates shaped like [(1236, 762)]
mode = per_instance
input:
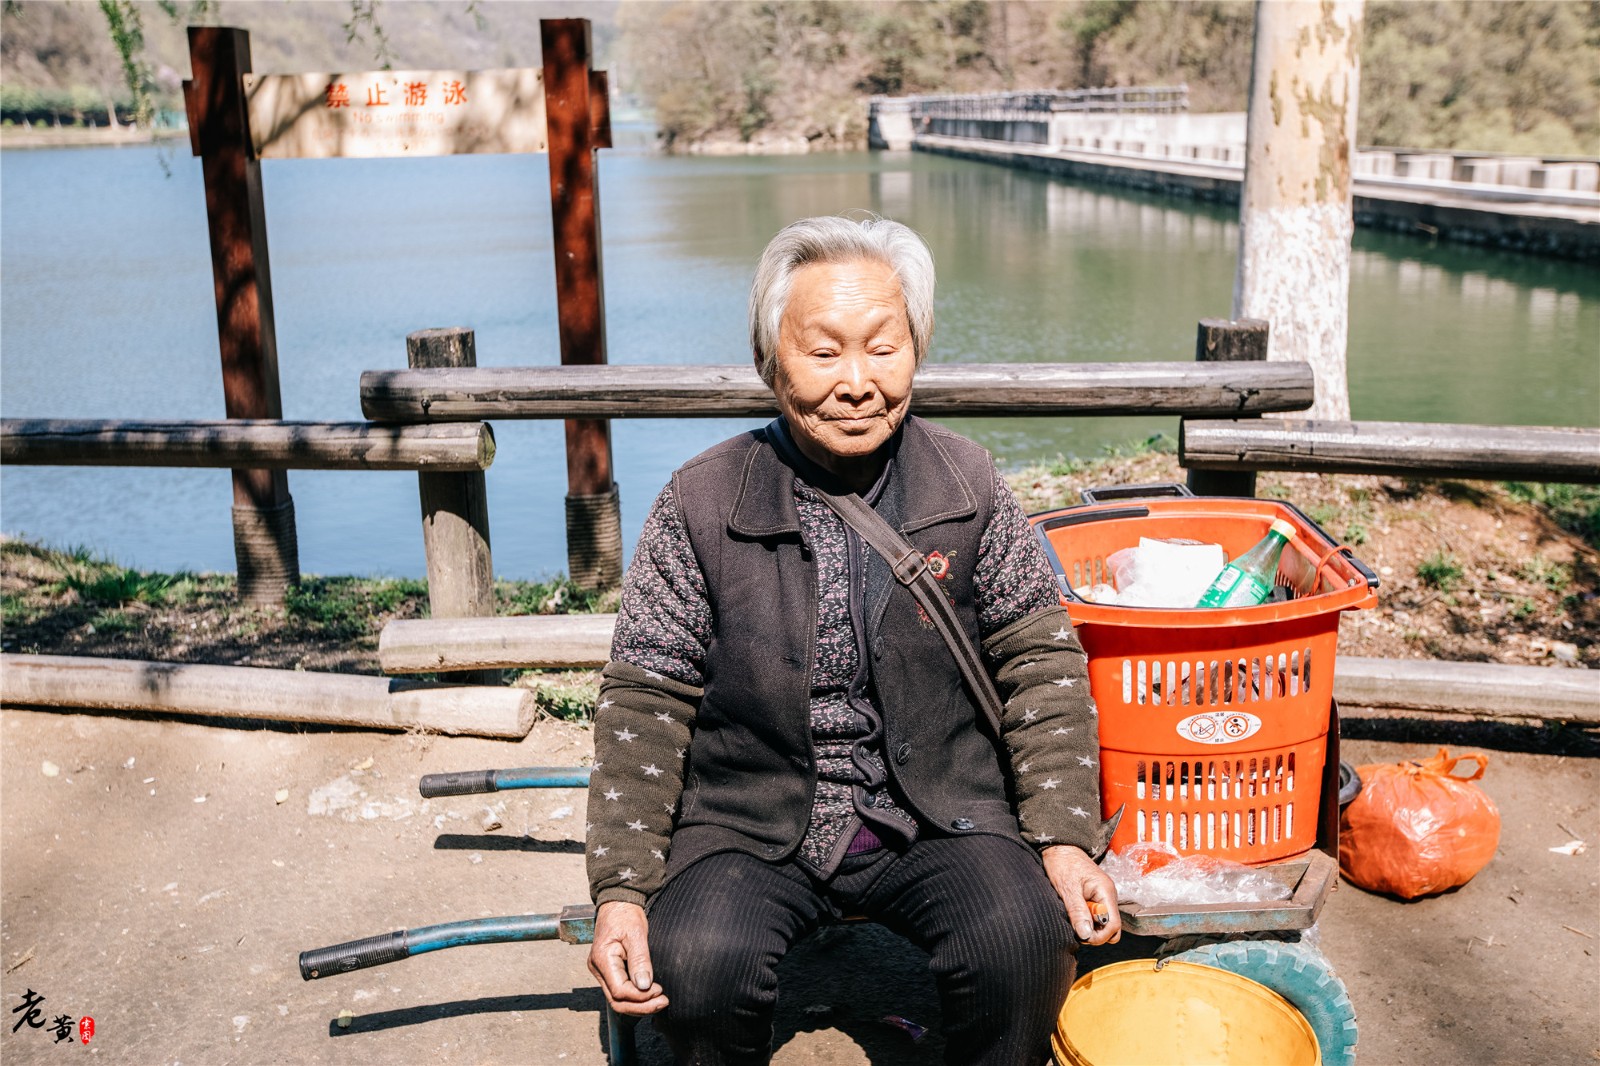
[(116, 585), (1061, 466), (1440, 570), (569, 695), (1541, 571), (347, 607), (559, 595), (1575, 508), (113, 622)]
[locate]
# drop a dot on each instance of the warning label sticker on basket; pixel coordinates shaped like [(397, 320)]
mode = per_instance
[(1219, 727)]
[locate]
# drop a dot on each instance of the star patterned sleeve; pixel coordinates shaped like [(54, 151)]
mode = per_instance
[(1011, 577), (642, 728), (649, 694), (1051, 730)]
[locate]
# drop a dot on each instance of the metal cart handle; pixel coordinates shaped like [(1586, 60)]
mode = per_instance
[(468, 782)]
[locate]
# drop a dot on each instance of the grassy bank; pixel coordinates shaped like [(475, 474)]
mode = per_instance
[(1470, 571), (74, 602)]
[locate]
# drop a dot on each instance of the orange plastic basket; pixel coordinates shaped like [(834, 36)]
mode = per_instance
[(1213, 723)]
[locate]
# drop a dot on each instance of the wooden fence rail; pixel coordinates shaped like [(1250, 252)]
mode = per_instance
[(244, 443), (449, 461), (429, 420), (630, 391), (1420, 449)]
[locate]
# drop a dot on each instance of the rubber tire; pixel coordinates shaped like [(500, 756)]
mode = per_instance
[(1349, 784), (1301, 975)]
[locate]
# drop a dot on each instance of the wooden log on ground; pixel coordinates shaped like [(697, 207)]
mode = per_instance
[(1409, 449), (71, 681), (256, 444), (1203, 390), (552, 641), (1495, 690)]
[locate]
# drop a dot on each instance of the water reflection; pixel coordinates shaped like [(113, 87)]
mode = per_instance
[(1441, 333)]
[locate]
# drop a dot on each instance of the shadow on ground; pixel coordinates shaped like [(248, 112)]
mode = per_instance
[(1541, 738), (579, 999)]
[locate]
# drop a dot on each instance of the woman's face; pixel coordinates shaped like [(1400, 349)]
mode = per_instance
[(844, 362)]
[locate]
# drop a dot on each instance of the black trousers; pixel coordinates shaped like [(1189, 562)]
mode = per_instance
[(1002, 951)]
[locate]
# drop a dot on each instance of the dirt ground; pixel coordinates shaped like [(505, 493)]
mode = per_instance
[(155, 882)]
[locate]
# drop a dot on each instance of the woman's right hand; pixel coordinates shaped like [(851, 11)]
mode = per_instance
[(619, 958)]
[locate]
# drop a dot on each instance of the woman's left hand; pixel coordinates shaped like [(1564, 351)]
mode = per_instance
[(1080, 882)]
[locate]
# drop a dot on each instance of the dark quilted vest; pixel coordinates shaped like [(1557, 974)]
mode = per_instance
[(751, 772)]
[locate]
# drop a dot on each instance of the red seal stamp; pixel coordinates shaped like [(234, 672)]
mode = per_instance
[(86, 1028)]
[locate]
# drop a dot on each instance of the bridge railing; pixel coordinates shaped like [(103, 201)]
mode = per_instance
[(1026, 117), (1040, 104)]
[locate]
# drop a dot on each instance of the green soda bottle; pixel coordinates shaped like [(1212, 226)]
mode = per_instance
[(1248, 580)]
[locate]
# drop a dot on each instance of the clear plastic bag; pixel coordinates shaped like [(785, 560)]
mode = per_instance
[(1154, 874)]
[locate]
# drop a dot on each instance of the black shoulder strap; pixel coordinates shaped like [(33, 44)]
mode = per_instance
[(910, 568)]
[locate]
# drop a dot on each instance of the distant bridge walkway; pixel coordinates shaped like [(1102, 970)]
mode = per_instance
[(1145, 137)]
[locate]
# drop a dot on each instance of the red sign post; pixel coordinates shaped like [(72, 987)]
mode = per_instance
[(578, 123), (236, 118), (264, 543)]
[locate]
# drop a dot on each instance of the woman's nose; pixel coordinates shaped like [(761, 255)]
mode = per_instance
[(855, 375)]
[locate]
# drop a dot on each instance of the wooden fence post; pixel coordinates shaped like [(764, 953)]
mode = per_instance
[(1222, 340), (455, 509), (264, 543), (576, 128)]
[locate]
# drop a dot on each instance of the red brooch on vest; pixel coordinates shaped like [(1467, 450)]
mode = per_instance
[(939, 566)]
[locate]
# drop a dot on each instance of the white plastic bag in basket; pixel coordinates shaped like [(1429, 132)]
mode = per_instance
[(1164, 573)]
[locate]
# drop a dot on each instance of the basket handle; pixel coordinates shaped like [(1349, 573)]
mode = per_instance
[(1105, 493), (1361, 568)]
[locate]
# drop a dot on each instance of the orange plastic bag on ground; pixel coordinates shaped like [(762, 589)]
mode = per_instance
[(1417, 828)]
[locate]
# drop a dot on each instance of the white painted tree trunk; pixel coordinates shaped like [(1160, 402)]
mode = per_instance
[(1294, 211)]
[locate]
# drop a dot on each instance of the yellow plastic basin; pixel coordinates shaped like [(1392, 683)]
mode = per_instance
[(1131, 1014)]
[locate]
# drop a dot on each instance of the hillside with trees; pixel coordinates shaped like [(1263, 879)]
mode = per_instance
[(1490, 75), (1472, 74), (60, 63)]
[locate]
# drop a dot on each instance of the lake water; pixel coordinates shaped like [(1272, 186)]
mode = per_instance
[(106, 312)]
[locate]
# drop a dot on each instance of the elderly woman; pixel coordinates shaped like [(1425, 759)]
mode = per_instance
[(782, 734)]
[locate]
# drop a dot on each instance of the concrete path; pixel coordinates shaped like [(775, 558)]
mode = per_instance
[(155, 882)]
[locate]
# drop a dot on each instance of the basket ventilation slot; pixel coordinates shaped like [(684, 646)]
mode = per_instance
[(1250, 800), (1087, 572), (1214, 682)]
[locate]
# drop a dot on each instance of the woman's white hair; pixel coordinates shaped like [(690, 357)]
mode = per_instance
[(834, 239)]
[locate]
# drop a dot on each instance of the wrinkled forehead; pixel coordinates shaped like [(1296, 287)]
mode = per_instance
[(852, 295)]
